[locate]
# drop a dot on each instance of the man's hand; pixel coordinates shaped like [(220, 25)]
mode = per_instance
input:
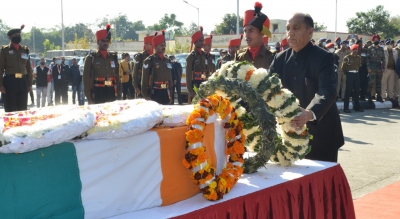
[(137, 91), (29, 89), (299, 121), (3, 90)]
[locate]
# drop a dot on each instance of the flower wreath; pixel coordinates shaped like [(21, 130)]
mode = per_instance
[(214, 187), (269, 103)]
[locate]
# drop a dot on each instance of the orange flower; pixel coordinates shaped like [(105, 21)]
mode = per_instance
[(193, 136), (248, 75)]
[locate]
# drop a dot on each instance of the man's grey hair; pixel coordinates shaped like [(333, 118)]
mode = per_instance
[(307, 19)]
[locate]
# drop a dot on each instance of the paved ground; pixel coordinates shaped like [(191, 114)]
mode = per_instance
[(371, 154), (370, 157)]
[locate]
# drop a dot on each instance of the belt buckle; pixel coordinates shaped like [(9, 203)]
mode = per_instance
[(107, 83), (163, 86), (18, 75), (203, 76)]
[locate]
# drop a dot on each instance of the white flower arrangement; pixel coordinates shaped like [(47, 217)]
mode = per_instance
[(295, 145)]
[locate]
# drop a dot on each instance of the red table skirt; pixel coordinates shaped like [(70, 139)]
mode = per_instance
[(322, 195)]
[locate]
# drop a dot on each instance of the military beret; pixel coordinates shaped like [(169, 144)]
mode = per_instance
[(15, 30), (387, 41), (344, 42), (354, 47)]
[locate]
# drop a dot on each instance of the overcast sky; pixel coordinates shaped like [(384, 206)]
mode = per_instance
[(47, 13)]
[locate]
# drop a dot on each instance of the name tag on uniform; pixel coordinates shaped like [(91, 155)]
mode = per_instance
[(59, 77), (203, 76), (169, 65), (206, 62), (24, 56), (112, 63), (107, 83), (363, 54), (164, 86), (18, 75), (11, 52)]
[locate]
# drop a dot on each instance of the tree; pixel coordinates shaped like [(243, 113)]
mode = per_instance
[(3, 33), (80, 43), (48, 45), (131, 32), (319, 27), (373, 21), (395, 21), (168, 23), (228, 23), (189, 31), (78, 29)]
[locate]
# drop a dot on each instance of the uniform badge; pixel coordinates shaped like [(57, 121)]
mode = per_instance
[(145, 66), (11, 52), (24, 56), (206, 62), (112, 63)]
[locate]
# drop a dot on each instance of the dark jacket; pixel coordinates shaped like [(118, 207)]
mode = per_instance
[(64, 72), (76, 76), (397, 68), (176, 71), (310, 75)]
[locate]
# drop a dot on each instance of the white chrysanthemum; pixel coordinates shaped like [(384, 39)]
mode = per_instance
[(287, 128), (295, 142), (288, 109), (282, 160), (279, 99), (272, 158), (224, 68), (233, 104), (221, 93), (257, 77), (248, 132), (253, 143), (242, 72), (282, 120), (240, 111), (303, 149), (230, 71)]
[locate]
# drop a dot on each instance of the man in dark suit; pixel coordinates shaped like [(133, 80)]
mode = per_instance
[(61, 76), (176, 78), (308, 72)]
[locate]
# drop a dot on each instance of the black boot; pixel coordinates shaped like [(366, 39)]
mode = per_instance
[(370, 98), (380, 99)]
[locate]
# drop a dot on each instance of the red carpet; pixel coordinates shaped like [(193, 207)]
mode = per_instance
[(382, 204)]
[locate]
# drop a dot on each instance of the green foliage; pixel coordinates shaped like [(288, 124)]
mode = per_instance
[(168, 22), (48, 45), (374, 21), (319, 27), (178, 48), (228, 23)]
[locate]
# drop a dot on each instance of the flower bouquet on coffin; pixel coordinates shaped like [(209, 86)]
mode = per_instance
[(33, 129), (121, 119), (262, 92)]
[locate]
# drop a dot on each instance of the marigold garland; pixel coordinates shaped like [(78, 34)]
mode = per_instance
[(214, 187)]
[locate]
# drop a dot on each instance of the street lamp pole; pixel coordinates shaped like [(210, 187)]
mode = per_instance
[(33, 35), (198, 12), (62, 27), (237, 20), (336, 20)]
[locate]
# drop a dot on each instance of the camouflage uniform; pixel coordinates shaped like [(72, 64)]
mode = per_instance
[(375, 59)]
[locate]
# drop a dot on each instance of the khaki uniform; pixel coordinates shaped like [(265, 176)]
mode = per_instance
[(375, 59), (157, 79), (341, 75), (137, 69), (350, 66), (210, 64), (17, 77), (101, 77), (196, 69), (263, 59)]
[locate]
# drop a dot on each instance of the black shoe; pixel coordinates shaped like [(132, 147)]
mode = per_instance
[(362, 98), (359, 110), (380, 99), (347, 111)]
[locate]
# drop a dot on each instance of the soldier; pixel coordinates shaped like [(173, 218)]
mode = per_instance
[(341, 85), (233, 47), (322, 43), (16, 66), (210, 58), (256, 26), (100, 73), (375, 59), (196, 68), (156, 74), (363, 72), (139, 58), (331, 49), (284, 44), (125, 71), (350, 65)]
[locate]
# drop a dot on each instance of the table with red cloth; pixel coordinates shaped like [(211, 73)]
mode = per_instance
[(308, 189)]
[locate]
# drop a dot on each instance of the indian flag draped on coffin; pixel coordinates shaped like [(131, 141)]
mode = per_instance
[(104, 177)]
